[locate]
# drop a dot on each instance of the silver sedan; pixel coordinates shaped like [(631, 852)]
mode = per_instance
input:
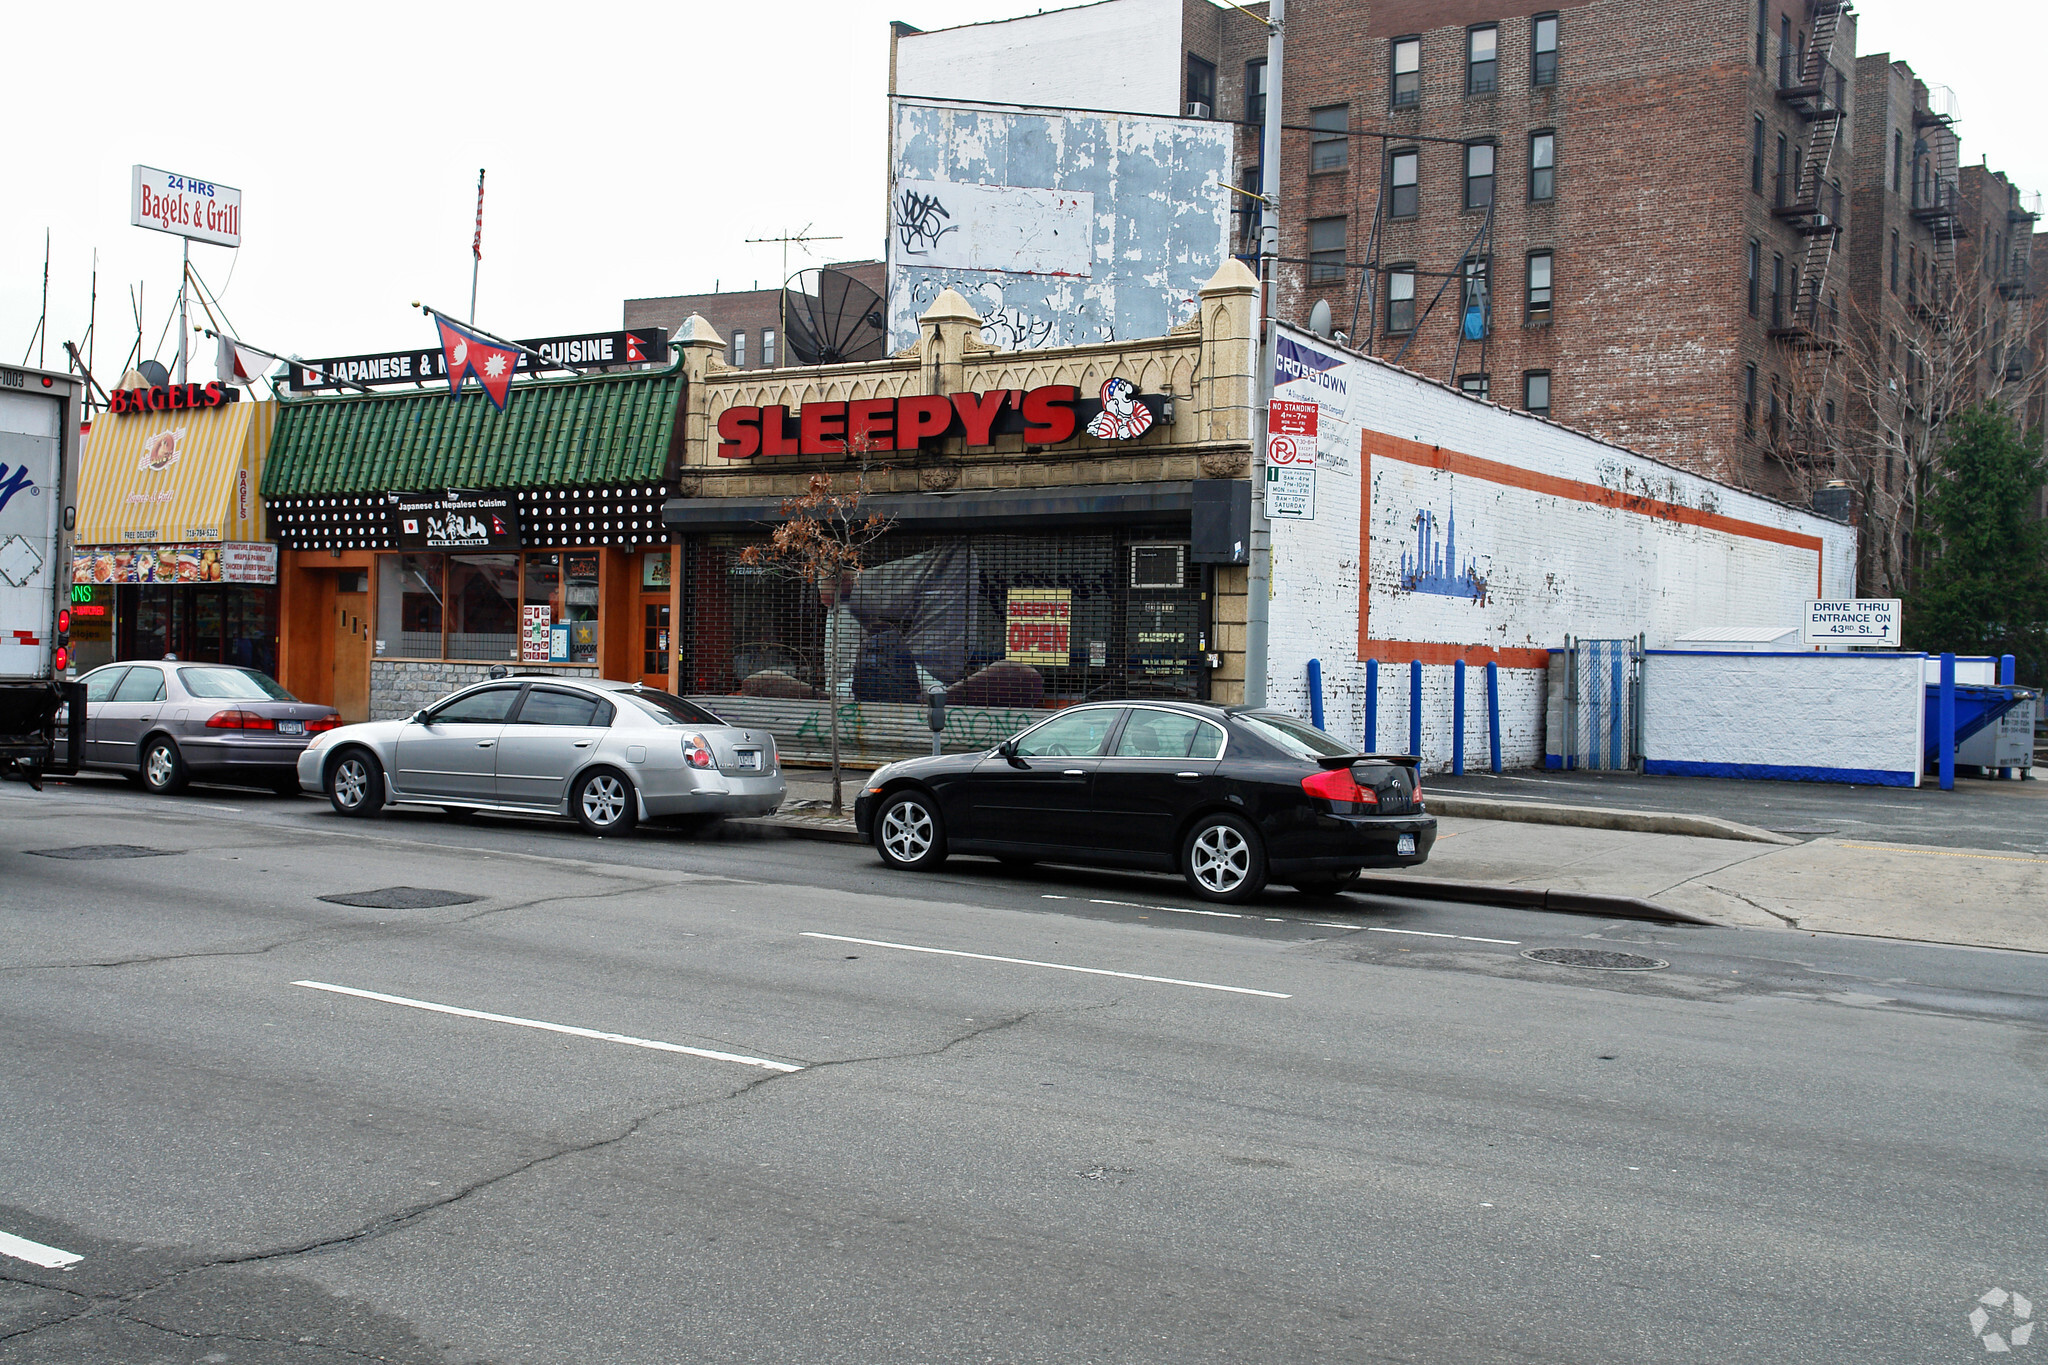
[(168, 723), (609, 754)]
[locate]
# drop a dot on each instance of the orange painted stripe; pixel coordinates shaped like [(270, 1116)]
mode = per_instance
[(1408, 651)]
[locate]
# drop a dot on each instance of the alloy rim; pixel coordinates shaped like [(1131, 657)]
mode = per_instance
[(1222, 859), (907, 831), (604, 800), (160, 766), (351, 780)]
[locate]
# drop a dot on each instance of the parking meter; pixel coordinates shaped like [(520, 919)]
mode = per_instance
[(935, 716)]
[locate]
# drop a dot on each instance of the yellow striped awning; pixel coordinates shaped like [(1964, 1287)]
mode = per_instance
[(174, 477)]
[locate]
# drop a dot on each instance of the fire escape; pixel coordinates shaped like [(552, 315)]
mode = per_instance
[(2016, 283), (1936, 197), (1812, 86)]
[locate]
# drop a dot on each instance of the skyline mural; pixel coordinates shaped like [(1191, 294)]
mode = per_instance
[(1433, 567)]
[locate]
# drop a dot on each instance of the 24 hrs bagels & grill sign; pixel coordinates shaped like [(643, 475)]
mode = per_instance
[(1049, 415)]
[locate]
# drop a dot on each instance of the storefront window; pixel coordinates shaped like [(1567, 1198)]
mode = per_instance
[(483, 612), (579, 605), (409, 596)]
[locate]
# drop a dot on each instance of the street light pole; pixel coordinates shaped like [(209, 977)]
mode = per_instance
[(1259, 572)]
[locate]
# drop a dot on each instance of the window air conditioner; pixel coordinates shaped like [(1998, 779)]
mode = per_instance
[(1197, 109)]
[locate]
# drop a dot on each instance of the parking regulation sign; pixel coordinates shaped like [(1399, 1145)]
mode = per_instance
[(1291, 460)]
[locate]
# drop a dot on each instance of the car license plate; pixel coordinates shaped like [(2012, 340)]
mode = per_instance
[(291, 727), (749, 758), (1406, 844)]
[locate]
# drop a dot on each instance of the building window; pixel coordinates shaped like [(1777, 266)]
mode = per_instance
[(1201, 87), (1784, 50), (1249, 208), (1756, 270), (1401, 298), (1749, 401), (1478, 175), (1255, 91), (1536, 391), (1756, 154), (1537, 292), (1482, 60), (1782, 160), (1912, 275), (1477, 385), (739, 350), (1407, 194), (1831, 412), (1898, 160), (1543, 50), (1763, 32), (1774, 409), (440, 606), (1777, 290), (1329, 144), (1325, 249), (1542, 166), (1475, 298), (1407, 72), (1895, 260), (767, 345)]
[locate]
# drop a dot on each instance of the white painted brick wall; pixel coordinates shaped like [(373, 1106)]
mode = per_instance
[(1816, 713), (1123, 54)]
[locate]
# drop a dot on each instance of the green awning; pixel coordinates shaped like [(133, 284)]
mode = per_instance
[(556, 433)]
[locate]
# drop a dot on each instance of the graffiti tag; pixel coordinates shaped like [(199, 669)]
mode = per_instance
[(920, 222)]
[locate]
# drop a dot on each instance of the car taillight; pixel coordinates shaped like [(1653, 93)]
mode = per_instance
[(330, 721), (1337, 784), (697, 753), (240, 720)]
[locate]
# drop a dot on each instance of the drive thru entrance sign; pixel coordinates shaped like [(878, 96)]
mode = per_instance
[(1291, 460), (1852, 621)]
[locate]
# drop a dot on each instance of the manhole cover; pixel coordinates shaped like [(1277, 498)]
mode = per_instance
[(401, 898), (1598, 959), (88, 852)]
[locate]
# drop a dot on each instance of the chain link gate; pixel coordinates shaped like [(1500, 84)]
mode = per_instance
[(1594, 716)]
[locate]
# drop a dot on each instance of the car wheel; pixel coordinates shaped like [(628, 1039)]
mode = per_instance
[(1223, 859), (909, 832), (1327, 884), (355, 784), (604, 803), (163, 767)]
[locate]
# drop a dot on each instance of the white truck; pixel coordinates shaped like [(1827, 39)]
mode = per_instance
[(39, 420)]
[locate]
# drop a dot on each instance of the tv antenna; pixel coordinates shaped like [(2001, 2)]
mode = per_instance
[(801, 237)]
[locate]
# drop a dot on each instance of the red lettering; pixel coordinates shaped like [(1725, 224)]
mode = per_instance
[(1049, 414), (181, 396), (739, 433), (776, 437), (214, 396), (159, 398), (871, 423), (920, 416), (824, 428), (117, 401), (978, 413)]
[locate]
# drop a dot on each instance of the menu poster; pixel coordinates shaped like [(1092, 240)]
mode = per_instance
[(536, 633)]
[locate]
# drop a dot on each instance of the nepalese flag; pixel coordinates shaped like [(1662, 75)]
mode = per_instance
[(468, 353)]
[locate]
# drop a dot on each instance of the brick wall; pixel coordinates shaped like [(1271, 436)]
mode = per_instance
[(752, 311)]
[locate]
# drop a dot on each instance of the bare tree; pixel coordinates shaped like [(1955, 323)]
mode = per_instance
[(823, 540)]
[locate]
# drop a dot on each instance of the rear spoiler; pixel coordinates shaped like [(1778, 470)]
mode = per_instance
[(1346, 760)]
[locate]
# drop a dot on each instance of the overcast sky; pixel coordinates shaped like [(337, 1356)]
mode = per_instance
[(631, 148)]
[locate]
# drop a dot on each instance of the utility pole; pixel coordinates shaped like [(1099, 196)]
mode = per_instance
[(184, 315), (802, 237), (476, 247), (1259, 572)]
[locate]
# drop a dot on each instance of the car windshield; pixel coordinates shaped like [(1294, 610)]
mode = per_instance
[(1294, 737), (669, 709), (236, 684)]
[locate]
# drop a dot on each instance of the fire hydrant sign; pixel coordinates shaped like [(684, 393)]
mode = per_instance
[(1852, 621), (1039, 626), (185, 207), (1291, 460)]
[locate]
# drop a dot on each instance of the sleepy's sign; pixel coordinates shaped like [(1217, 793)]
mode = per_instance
[(1049, 415)]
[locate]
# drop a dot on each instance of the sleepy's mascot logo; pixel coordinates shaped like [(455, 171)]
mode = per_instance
[(1122, 415)]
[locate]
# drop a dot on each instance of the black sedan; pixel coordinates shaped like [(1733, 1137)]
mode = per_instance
[(1226, 796)]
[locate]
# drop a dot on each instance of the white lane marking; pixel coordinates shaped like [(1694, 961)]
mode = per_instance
[(1474, 938), (1464, 938), (35, 1253), (1317, 923), (1056, 966), (574, 1032), (1176, 909), (1418, 933)]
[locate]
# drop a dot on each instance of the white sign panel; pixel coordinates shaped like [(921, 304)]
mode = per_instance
[(1852, 621), (1290, 493), (941, 225), (185, 207)]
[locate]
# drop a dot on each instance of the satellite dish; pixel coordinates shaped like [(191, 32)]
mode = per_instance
[(154, 372), (831, 318), (1319, 319)]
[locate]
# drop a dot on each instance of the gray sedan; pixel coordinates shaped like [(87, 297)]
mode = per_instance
[(610, 754), (169, 723)]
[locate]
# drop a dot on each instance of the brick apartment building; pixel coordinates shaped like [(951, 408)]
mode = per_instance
[(1662, 224), (752, 321)]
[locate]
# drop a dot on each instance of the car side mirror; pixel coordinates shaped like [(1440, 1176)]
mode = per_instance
[(1008, 749)]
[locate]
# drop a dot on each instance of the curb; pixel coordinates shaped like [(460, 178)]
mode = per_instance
[(823, 829), (1598, 817)]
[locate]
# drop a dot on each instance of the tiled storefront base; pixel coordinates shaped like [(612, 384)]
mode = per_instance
[(399, 688)]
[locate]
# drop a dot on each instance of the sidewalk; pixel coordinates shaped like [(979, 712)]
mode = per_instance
[(1966, 867)]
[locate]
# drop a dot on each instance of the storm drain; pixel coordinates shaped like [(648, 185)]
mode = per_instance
[(83, 853), (401, 898), (1595, 958)]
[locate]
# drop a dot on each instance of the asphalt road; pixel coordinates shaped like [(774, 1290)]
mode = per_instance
[(960, 1117)]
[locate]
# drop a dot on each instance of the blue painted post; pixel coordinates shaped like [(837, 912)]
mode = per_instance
[(1945, 722), (1415, 707), (1372, 705), (1614, 758), (1493, 713), (1458, 718), (1315, 693), (2008, 669)]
